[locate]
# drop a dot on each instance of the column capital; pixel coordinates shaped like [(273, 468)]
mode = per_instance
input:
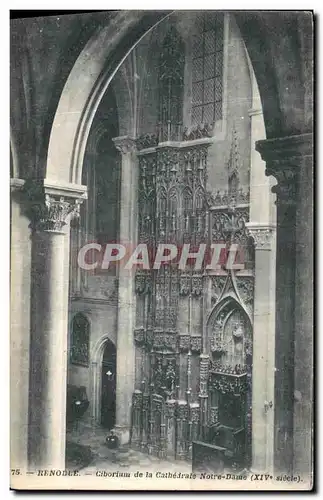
[(48, 204), (262, 234), (284, 158), (125, 144)]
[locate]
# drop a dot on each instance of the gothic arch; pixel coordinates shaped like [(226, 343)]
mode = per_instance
[(91, 74), (96, 376), (110, 45), (218, 319)]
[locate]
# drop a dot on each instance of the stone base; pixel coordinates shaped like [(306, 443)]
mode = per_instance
[(123, 434)]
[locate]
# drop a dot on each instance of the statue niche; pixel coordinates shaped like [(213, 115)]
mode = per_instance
[(229, 385)]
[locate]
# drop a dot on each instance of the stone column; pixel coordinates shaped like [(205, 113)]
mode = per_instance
[(287, 159), (203, 394), (49, 208), (126, 288), (263, 364), (20, 271)]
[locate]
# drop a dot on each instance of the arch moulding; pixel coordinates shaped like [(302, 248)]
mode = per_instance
[(91, 74), (96, 377)]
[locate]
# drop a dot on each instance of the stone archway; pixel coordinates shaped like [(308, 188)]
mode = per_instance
[(288, 157), (108, 48), (95, 67), (96, 378)]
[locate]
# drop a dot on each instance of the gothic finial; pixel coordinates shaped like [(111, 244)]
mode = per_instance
[(233, 166)]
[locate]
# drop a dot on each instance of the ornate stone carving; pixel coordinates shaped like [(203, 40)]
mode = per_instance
[(184, 342), (216, 324), (217, 346), (284, 158), (185, 284), (48, 208), (204, 374), (143, 282), (167, 162), (197, 285), (228, 382), (214, 415), (245, 285), (137, 400), (222, 198), (261, 234), (182, 410), (218, 283), (145, 141), (196, 344), (170, 408), (229, 224), (248, 347), (218, 367), (125, 144), (164, 374), (164, 341), (198, 132), (194, 413), (139, 336), (189, 343), (287, 177), (171, 85)]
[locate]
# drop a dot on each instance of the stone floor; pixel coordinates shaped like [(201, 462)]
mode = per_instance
[(105, 459)]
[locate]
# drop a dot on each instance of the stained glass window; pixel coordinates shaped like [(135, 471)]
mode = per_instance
[(207, 67), (80, 340)]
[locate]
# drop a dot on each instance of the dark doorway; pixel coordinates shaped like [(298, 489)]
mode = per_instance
[(108, 400)]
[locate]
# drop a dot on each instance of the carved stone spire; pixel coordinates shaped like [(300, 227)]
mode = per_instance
[(233, 168)]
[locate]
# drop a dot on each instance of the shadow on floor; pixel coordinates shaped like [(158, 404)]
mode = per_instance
[(77, 456)]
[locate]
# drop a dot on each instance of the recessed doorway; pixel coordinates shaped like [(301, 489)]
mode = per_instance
[(108, 386)]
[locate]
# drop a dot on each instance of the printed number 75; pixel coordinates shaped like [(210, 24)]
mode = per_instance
[(15, 472)]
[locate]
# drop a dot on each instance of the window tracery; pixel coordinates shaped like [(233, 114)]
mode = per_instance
[(171, 86), (207, 69)]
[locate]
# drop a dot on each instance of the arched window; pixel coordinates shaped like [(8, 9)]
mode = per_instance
[(100, 212), (80, 340), (207, 70), (171, 78)]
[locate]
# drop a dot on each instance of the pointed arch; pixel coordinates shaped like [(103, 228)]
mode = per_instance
[(218, 318), (96, 375), (187, 196), (226, 298), (199, 198)]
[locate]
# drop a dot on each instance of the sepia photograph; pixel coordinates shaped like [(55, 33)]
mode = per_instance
[(161, 250)]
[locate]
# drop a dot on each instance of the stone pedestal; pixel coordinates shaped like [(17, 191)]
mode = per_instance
[(49, 210), (288, 159), (126, 288)]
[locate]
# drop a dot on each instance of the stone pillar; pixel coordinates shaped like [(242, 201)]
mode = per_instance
[(263, 364), (288, 159), (203, 394), (20, 271), (303, 379), (126, 288), (49, 208)]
